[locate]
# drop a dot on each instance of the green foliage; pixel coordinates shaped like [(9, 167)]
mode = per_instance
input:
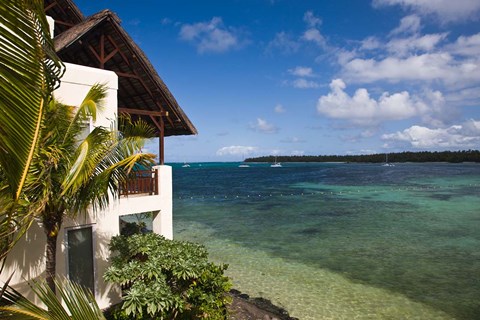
[(422, 156), (78, 303), (166, 279), (30, 71)]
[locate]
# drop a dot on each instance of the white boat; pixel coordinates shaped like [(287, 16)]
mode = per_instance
[(186, 165), (244, 165), (276, 164), (387, 164)]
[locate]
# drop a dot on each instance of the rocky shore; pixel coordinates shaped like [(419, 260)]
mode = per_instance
[(244, 307)]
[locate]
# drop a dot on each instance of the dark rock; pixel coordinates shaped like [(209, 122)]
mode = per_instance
[(245, 308)]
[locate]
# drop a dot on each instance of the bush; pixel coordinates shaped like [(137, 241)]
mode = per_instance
[(166, 279)]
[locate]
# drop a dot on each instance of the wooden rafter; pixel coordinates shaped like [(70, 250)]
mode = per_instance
[(157, 124), (102, 43), (119, 51), (102, 59), (143, 112), (51, 5)]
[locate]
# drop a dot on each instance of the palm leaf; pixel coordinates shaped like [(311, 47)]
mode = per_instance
[(30, 71), (90, 106), (79, 303)]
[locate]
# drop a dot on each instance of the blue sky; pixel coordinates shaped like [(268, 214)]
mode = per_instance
[(263, 77)]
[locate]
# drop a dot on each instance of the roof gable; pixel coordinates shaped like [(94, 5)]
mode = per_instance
[(99, 41), (65, 13)]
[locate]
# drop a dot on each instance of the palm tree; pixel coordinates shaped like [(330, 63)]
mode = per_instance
[(29, 72), (73, 172)]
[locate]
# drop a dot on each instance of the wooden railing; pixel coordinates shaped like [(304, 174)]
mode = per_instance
[(140, 182)]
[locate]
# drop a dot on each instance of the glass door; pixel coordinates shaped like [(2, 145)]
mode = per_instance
[(80, 257)]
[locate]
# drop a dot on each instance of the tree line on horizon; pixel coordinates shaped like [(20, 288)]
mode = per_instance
[(406, 156)]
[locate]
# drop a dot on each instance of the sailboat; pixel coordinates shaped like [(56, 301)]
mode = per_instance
[(185, 165), (244, 164), (387, 164), (276, 164)]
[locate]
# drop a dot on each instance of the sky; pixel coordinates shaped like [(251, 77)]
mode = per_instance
[(293, 77)]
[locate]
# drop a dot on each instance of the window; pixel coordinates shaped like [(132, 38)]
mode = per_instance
[(80, 256), (136, 223)]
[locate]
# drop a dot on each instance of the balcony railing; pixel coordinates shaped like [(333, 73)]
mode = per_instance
[(140, 182)]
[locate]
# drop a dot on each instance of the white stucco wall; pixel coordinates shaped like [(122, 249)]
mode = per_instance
[(77, 81), (27, 260)]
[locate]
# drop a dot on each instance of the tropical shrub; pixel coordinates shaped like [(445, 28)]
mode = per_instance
[(167, 279)]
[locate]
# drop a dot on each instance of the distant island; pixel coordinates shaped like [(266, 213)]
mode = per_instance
[(422, 156)]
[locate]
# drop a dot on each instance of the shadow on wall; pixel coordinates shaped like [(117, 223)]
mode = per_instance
[(27, 262)]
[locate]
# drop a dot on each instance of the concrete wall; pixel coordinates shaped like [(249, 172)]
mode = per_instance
[(27, 260)]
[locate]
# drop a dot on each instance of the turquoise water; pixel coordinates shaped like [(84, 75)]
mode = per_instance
[(341, 241)]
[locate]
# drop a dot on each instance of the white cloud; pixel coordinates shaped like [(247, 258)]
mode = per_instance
[(405, 46), (293, 140), (311, 20), (439, 113), (166, 21), (410, 25), (236, 151), (423, 67), (370, 43), (279, 109), (465, 97), (445, 10), (304, 84), (297, 153), (283, 42), (466, 46), (344, 56), (302, 72), (466, 135), (263, 126), (314, 35), (211, 36), (363, 110)]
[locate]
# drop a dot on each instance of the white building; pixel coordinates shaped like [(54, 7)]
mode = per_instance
[(98, 50)]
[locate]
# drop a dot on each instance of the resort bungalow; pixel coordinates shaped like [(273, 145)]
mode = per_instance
[(98, 50)]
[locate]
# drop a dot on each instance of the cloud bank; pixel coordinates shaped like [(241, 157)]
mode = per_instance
[(465, 135), (444, 10), (363, 110), (236, 151)]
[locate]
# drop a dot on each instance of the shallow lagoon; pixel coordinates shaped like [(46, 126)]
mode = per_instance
[(341, 241)]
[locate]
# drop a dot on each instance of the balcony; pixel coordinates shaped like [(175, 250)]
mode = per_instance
[(141, 182)]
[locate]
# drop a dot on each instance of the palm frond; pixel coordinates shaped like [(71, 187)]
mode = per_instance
[(29, 71), (91, 104), (79, 303)]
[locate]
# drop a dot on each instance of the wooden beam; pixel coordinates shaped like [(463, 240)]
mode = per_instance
[(102, 51), (161, 139), (95, 53), (157, 124), (51, 5), (119, 51), (110, 55), (161, 142), (126, 75), (64, 23), (136, 76), (144, 112)]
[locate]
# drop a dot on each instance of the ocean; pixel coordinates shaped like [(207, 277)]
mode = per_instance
[(340, 241)]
